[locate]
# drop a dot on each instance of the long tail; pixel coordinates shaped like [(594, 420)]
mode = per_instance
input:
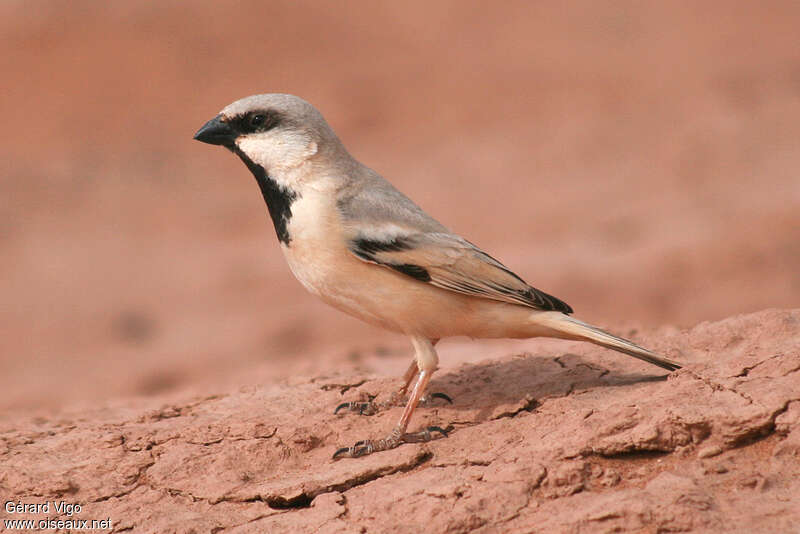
[(571, 328)]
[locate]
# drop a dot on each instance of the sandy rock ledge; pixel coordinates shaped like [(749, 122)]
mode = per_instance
[(542, 443)]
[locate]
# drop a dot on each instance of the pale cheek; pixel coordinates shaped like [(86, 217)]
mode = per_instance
[(273, 152)]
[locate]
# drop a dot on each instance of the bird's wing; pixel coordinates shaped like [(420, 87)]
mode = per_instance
[(450, 262)]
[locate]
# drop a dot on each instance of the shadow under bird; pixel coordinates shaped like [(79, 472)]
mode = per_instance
[(363, 247)]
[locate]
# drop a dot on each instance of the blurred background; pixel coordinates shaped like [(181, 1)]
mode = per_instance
[(639, 160)]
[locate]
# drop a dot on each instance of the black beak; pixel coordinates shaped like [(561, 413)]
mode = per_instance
[(216, 132)]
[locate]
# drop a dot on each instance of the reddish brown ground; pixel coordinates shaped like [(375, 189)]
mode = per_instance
[(639, 161)]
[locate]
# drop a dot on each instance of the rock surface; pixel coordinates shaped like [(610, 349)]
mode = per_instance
[(578, 441)]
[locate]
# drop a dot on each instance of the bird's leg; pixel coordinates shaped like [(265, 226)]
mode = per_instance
[(409, 377), (371, 407), (427, 361), (411, 373)]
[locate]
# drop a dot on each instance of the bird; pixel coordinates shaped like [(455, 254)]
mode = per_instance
[(354, 240)]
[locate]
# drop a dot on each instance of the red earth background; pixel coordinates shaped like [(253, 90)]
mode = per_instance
[(638, 160)]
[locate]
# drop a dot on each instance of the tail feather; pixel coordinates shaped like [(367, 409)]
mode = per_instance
[(575, 329)]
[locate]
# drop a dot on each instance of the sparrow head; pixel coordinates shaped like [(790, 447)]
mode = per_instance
[(274, 131)]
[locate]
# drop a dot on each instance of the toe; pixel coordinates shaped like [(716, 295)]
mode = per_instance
[(427, 435), (359, 448), (361, 408)]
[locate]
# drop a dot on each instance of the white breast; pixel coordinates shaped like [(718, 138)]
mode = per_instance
[(316, 244), (319, 258)]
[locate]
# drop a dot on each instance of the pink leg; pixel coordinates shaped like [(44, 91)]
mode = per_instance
[(371, 407), (409, 377), (426, 361)]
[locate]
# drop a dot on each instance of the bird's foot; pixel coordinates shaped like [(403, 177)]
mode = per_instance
[(395, 439), (371, 407)]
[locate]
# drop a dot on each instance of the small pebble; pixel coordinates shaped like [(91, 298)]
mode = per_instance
[(708, 452)]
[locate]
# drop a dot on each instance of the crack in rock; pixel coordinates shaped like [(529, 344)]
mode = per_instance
[(746, 370), (716, 386), (280, 501), (529, 405), (358, 480)]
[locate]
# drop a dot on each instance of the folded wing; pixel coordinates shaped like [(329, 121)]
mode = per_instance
[(450, 262)]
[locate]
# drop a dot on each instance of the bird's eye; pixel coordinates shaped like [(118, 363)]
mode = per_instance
[(257, 120)]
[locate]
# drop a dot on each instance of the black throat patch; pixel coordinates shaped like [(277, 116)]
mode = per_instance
[(279, 201)]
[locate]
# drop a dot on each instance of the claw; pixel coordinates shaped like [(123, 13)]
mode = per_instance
[(347, 405), (340, 453), (441, 396)]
